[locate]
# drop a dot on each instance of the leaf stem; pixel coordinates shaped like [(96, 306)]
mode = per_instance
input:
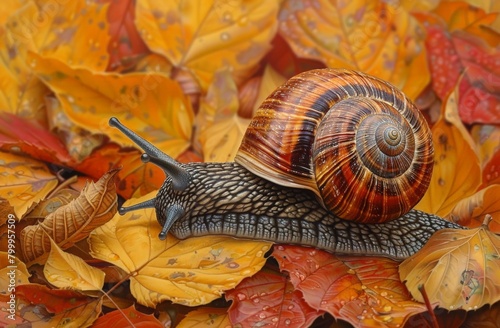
[(428, 304)]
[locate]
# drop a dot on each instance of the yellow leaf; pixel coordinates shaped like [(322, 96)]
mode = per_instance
[(150, 103), (13, 272), (24, 181), (470, 211), (205, 317), (72, 222), (221, 130), (192, 272), (457, 172), (76, 33), (66, 270), (377, 37), (459, 269), (205, 36)]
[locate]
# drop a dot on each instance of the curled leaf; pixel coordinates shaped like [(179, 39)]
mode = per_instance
[(66, 270), (459, 269), (193, 271), (95, 206)]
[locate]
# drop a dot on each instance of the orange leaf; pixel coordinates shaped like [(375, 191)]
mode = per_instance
[(486, 138), (453, 178), (126, 318), (205, 317), (73, 222), (125, 45), (363, 291), (69, 307), (135, 177), (459, 269), (192, 272), (150, 103), (269, 299), (24, 181), (470, 211), (377, 37), (204, 36)]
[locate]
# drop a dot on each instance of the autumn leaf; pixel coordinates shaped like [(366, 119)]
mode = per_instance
[(125, 317), (125, 45), (128, 97), (68, 307), (73, 222), (486, 138), (269, 299), (65, 270), (366, 292), (205, 317), (205, 36), (453, 178), (459, 269), (24, 181), (20, 135), (9, 264), (470, 211), (192, 272), (376, 37), (135, 177)]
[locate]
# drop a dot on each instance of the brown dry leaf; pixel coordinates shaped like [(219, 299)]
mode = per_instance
[(24, 182), (453, 178), (67, 271), (151, 104), (205, 317), (95, 206), (205, 36), (470, 211), (47, 206), (194, 271), (377, 37), (365, 291), (459, 269)]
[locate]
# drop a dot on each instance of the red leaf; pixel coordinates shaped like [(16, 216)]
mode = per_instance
[(20, 135), (453, 54), (123, 318), (365, 291), (54, 300), (269, 299)]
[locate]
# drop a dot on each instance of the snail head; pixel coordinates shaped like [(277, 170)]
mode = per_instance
[(179, 178)]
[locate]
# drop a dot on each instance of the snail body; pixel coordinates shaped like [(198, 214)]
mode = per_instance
[(310, 171)]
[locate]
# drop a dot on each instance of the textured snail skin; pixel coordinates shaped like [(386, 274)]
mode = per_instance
[(226, 199)]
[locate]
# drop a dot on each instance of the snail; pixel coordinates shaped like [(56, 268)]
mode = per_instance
[(334, 159)]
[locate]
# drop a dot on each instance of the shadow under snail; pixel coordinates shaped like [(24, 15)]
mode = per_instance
[(333, 159)]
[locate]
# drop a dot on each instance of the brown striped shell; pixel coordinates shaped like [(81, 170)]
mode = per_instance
[(356, 141)]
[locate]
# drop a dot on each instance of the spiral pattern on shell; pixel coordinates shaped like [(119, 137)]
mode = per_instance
[(354, 140)]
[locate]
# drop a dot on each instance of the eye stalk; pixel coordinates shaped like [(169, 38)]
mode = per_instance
[(179, 176)]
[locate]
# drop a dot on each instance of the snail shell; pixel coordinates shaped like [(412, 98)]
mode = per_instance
[(356, 141)]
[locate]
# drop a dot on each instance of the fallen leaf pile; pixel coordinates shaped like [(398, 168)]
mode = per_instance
[(188, 76)]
